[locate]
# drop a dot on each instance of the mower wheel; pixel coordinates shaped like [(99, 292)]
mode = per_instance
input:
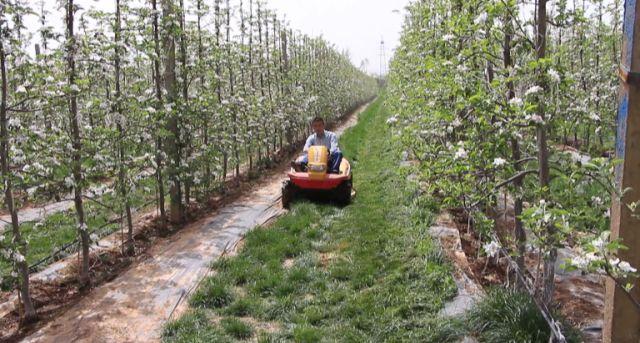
[(288, 193), (343, 192)]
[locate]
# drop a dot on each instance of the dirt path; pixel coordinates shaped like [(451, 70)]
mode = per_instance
[(135, 305)]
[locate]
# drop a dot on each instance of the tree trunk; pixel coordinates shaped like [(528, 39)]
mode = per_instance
[(76, 143), (29, 312), (543, 157), (516, 155), (262, 82), (162, 229), (188, 144), (205, 124), (122, 181), (225, 155), (233, 104), (243, 65), (172, 146)]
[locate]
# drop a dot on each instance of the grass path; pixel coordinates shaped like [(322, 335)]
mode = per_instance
[(366, 272)]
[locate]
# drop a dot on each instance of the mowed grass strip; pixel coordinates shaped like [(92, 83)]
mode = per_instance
[(368, 272)]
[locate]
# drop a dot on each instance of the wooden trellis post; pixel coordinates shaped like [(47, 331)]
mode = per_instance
[(622, 317)]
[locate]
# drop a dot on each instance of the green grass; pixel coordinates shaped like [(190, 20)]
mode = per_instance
[(236, 328), (366, 272), (509, 316), (214, 293)]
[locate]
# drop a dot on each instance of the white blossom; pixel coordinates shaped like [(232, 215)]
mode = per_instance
[(597, 200), (625, 267), (580, 262), (515, 102), (481, 18), (499, 162), (448, 37), (492, 248), (536, 118), (21, 89), (14, 123), (533, 90), (68, 181), (151, 110), (553, 74), (600, 242), (461, 153), (74, 88), (83, 227), (18, 257), (392, 120)]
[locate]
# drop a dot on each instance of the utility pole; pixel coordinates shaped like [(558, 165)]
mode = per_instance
[(383, 58), (622, 317)]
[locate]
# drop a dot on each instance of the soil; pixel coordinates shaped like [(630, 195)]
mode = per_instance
[(486, 271), (132, 297), (579, 298)]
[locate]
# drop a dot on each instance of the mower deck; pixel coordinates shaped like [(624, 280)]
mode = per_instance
[(331, 181), (336, 187)]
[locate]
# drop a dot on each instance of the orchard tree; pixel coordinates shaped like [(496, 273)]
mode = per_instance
[(18, 249)]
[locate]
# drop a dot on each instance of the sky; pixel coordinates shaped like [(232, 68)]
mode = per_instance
[(355, 26)]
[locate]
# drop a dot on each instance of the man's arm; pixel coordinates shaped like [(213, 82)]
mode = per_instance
[(334, 143), (308, 144)]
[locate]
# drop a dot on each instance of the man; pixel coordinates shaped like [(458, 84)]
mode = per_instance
[(321, 136)]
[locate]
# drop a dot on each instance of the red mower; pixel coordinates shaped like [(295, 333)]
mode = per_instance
[(317, 181)]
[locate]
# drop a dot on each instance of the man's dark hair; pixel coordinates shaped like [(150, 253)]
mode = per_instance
[(316, 120)]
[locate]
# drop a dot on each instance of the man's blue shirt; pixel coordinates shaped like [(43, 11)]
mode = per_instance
[(328, 139)]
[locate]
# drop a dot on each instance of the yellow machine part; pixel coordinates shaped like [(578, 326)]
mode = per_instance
[(318, 162), (345, 167)]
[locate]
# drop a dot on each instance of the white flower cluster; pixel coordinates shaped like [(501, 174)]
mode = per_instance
[(481, 18), (597, 200), (460, 153), (554, 75), (499, 162), (536, 118), (94, 238), (598, 255), (14, 123), (516, 102), (492, 248), (18, 257), (623, 266), (533, 90)]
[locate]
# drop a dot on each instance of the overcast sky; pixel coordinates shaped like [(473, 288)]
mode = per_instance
[(357, 26)]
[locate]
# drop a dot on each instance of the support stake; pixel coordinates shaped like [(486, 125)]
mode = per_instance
[(622, 318)]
